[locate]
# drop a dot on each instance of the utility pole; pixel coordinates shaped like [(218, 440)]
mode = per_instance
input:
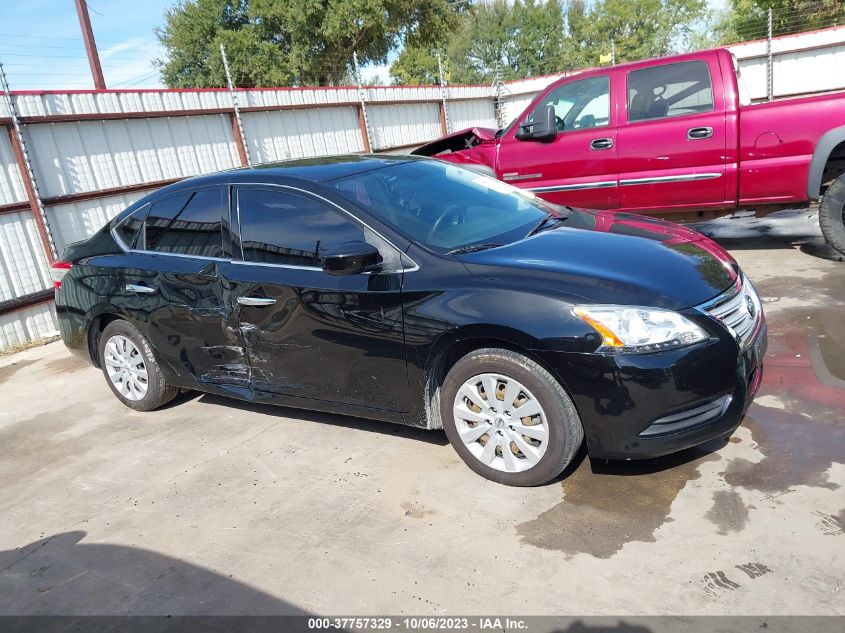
[(90, 45)]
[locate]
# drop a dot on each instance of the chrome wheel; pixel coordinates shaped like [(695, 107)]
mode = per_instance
[(125, 367), (501, 422)]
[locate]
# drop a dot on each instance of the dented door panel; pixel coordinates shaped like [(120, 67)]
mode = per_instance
[(327, 338)]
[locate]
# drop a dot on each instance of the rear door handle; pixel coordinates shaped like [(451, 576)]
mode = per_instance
[(601, 143), (256, 301), (698, 133), (138, 289)]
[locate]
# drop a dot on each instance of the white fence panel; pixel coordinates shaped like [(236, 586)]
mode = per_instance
[(78, 220), (283, 134), (28, 324), (23, 267), (397, 125), (90, 155), (11, 185), (475, 113), (296, 96)]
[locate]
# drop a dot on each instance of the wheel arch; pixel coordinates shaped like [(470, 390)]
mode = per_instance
[(449, 348), (830, 146), (98, 319)]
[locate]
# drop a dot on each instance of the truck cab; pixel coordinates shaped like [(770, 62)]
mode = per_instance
[(673, 137)]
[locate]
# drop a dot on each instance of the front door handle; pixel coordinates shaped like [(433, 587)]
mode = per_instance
[(699, 133), (256, 301), (138, 289), (601, 143)]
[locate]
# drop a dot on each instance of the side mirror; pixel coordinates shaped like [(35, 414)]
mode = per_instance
[(542, 129), (351, 258)]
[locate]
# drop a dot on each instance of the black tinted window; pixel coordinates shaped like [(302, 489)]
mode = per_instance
[(670, 90), (187, 224), (285, 228), (130, 227)]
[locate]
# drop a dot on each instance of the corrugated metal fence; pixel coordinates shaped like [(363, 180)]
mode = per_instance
[(94, 153)]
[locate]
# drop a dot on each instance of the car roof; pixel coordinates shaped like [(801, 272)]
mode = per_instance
[(319, 169)]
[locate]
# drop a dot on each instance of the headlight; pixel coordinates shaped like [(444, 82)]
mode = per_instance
[(631, 329)]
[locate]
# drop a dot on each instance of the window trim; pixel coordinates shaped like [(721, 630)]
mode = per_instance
[(679, 116), (233, 214)]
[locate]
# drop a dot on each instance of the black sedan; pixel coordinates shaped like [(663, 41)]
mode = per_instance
[(414, 291)]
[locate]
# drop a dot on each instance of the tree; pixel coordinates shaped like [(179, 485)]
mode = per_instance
[(537, 37), (748, 19), (296, 42), (512, 40), (637, 29)]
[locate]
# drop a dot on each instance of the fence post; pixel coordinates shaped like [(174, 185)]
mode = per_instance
[(498, 86), (770, 68), (363, 120), (39, 214), (444, 113), (237, 124)]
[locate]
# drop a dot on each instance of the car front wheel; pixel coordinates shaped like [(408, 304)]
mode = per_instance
[(508, 418), (130, 368)]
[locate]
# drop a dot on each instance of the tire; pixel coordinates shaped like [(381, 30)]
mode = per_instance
[(832, 214), (139, 385), (508, 370)]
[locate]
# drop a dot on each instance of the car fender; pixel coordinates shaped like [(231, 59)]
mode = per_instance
[(824, 148)]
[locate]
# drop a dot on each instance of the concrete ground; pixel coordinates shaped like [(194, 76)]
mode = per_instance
[(213, 506)]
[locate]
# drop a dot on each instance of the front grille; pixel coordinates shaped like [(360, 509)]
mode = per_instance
[(739, 310)]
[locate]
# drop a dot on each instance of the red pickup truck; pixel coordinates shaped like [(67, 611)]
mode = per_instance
[(673, 137)]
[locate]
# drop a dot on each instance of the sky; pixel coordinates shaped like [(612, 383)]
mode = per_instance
[(41, 44)]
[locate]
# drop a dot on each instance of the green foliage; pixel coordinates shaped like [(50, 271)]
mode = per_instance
[(527, 38), (748, 19), (295, 42)]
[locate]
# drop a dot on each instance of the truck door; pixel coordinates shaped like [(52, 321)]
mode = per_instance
[(578, 167), (671, 139)]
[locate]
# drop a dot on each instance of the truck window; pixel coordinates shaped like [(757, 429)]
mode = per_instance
[(670, 90), (578, 104)]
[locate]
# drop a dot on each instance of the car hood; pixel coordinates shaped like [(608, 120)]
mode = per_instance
[(609, 257)]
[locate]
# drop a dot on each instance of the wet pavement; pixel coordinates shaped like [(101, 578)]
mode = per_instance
[(213, 506)]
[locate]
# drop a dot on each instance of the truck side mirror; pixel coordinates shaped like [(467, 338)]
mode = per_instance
[(542, 129)]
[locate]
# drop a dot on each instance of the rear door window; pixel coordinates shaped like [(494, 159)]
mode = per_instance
[(189, 223), (280, 227), (669, 91), (130, 227)]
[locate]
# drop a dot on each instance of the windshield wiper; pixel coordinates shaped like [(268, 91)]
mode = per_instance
[(473, 248), (545, 220)]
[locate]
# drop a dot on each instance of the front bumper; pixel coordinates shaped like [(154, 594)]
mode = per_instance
[(641, 406)]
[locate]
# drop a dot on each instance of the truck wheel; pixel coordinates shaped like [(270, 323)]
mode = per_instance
[(832, 214)]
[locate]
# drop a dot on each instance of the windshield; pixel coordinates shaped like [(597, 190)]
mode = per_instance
[(445, 207)]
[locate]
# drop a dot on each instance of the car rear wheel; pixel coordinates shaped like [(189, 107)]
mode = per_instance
[(130, 368), (508, 418), (832, 214)]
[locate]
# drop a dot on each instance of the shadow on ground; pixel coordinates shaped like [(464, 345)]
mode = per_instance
[(62, 575)]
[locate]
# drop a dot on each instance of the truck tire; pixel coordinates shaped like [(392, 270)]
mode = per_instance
[(832, 214)]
